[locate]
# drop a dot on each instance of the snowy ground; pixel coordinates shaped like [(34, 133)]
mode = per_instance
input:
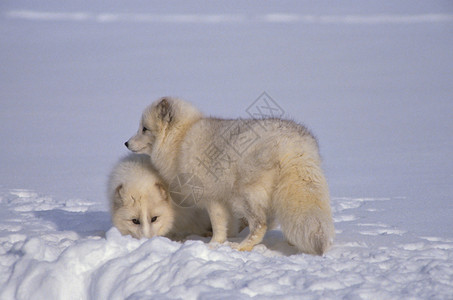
[(372, 80), (54, 250)]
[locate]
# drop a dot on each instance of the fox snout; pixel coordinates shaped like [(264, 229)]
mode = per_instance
[(137, 144)]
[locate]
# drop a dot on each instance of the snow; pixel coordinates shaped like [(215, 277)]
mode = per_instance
[(372, 80), (51, 252)]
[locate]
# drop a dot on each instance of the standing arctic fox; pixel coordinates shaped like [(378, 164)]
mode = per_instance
[(141, 205), (258, 169)]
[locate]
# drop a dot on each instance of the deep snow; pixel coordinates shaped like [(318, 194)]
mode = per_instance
[(372, 80), (54, 250)]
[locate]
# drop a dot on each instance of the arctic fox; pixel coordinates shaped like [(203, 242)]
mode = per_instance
[(142, 207), (261, 170)]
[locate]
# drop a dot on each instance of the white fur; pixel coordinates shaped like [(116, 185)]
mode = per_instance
[(137, 192), (262, 170)]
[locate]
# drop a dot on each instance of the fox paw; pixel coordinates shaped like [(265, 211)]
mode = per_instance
[(241, 246), (213, 245)]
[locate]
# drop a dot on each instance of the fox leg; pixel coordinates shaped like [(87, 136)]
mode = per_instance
[(256, 235), (219, 215), (254, 207)]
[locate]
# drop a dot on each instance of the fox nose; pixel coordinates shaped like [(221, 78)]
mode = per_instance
[(126, 144)]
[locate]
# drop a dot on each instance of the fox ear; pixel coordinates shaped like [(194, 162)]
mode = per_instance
[(164, 110), (118, 195), (163, 191)]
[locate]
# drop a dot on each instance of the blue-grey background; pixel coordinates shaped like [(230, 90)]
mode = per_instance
[(375, 85)]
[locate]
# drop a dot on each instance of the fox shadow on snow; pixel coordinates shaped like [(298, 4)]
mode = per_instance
[(90, 223), (97, 223)]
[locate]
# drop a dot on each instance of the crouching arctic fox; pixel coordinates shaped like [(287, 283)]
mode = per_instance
[(141, 205), (261, 170)]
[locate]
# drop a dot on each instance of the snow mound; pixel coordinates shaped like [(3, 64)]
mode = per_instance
[(66, 250)]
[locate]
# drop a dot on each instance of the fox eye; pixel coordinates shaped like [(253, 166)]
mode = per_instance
[(144, 129), (136, 221), (153, 219)]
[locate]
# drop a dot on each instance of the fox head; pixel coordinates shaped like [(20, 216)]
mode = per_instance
[(142, 211), (159, 121)]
